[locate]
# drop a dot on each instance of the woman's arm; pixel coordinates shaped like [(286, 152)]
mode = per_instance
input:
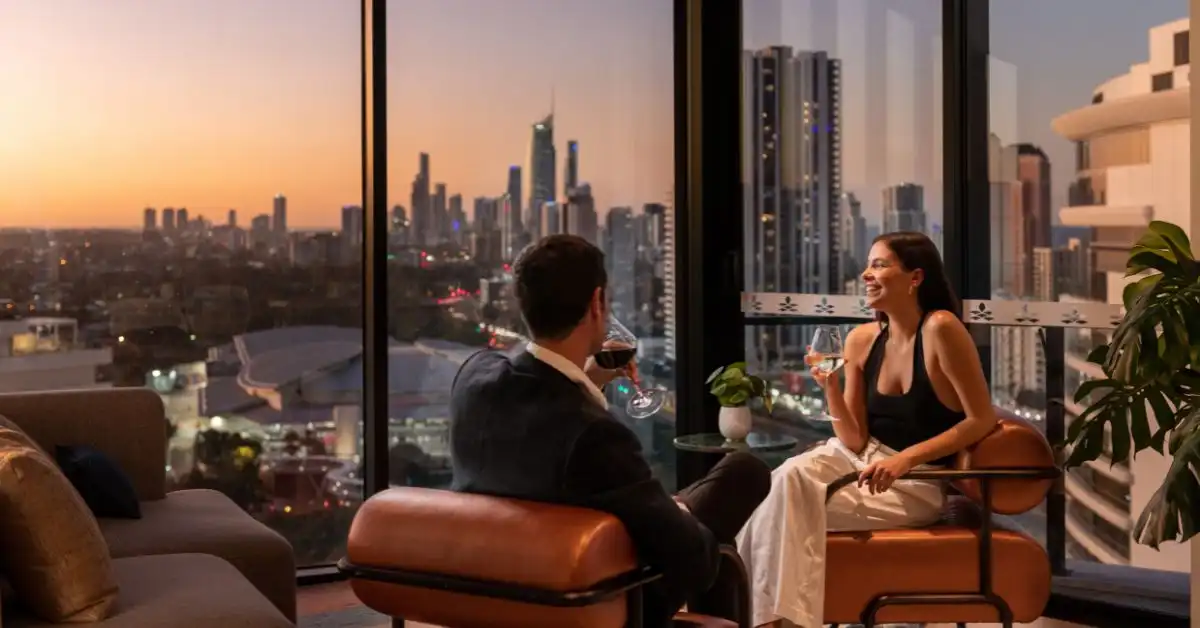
[(952, 345), (849, 407)]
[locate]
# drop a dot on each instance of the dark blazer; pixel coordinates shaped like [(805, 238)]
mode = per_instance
[(520, 428)]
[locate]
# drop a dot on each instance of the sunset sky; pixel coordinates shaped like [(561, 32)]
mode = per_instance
[(110, 106)]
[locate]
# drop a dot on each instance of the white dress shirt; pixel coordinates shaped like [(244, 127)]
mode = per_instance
[(570, 369)]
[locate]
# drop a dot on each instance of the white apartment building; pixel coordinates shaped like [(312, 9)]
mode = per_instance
[(44, 353), (1133, 166)]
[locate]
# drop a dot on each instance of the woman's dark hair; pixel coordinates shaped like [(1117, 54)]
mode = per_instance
[(915, 250)]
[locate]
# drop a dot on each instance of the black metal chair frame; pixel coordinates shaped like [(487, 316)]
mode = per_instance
[(985, 594), (629, 584)]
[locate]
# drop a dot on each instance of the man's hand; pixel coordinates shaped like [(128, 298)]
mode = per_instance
[(602, 376), (879, 476)]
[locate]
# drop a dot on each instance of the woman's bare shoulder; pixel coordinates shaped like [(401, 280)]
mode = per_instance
[(859, 340)]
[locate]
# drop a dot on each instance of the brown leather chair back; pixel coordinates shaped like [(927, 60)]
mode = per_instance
[(475, 537), (1013, 444)]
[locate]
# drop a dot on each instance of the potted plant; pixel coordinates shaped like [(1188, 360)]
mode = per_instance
[(1150, 395), (735, 387)]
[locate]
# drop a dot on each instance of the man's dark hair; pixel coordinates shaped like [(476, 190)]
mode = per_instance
[(555, 279)]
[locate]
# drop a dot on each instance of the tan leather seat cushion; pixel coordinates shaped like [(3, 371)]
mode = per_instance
[(544, 546), (51, 549), (206, 522), (943, 559), (181, 591)]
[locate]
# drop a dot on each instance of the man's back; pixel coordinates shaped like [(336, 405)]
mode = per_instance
[(521, 428), (513, 425)]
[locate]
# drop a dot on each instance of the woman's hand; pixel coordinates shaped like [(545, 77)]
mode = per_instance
[(829, 381), (601, 377), (879, 476)]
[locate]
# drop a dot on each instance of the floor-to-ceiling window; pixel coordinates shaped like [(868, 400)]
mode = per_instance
[(509, 122), (169, 219), (1089, 140)]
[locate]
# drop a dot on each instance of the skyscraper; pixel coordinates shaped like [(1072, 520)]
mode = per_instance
[(792, 128), (904, 208), (181, 218), (854, 235), (542, 174), (168, 219), (620, 257), (232, 218), (1033, 172), (571, 167), (580, 214), (352, 226), (279, 219), (422, 225), (150, 219), (513, 216), (438, 216), (457, 219), (1011, 263)]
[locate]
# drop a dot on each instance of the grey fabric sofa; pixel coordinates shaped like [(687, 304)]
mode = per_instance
[(194, 559)]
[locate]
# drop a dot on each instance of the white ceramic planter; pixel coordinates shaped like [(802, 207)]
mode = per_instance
[(734, 423)]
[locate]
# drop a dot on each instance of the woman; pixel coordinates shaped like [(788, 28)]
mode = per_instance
[(914, 395)]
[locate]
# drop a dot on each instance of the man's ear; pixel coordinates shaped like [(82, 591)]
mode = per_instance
[(598, 302)]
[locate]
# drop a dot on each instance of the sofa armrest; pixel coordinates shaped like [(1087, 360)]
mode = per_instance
[(126, 424)]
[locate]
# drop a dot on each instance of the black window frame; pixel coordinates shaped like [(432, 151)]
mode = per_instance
[(1182, 43), (708, 239)]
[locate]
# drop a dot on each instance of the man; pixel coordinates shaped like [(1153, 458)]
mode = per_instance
[(537, 426)]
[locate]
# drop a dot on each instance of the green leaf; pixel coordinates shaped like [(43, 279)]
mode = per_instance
[(741, 366), (719, 388), (714, 375), (1120, 435), (1088, 448), (757, 385), (1184, 260), (733, 375), (1139, 426), (1098, 355), (1170, 513), (1172, 234), (738, 398), (1162, 415), (1138, 288), (1145, 259), (1093, 385), (1150, 240)]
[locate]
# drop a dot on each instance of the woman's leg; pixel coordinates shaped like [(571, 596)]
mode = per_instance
[(783, 543), (908, 504)]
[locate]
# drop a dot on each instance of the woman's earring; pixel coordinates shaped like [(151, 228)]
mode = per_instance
[(910, 288)]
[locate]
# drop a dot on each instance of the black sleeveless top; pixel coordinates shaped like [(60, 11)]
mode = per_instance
[(901, 421)]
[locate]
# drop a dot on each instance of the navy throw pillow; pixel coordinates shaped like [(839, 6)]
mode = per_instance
[(104, 487)]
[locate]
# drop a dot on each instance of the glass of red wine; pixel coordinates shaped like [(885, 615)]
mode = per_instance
[(620, 347)]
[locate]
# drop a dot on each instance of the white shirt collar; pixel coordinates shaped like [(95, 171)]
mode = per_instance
[(569, 369)]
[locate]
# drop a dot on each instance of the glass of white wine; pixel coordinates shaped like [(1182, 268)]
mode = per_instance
[(827, 346)]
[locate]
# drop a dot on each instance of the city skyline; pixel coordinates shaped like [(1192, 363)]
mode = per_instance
[(257, 116)]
